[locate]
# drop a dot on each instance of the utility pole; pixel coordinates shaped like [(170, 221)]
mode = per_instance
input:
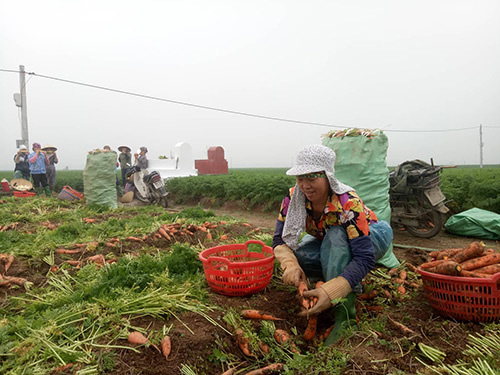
[(481, 144), (21, 102)]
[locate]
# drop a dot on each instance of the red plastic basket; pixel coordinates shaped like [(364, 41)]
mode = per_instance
[(463, 298), (23, 194), (233, 270)]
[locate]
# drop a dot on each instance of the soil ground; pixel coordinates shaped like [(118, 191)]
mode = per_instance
[(386, 350)]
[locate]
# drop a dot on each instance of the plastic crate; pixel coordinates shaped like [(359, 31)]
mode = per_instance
[(463, 298), (233, 270), (23, 194)]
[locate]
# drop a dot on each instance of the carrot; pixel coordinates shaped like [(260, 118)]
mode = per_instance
[(67, 251), (243, 342), (212, 226), (164, 233), (387, 294), (411, 267), (444, 254), (256, 314), (414, 285), (166, 346), (98, 259), (222, 222), (474, 250), (301, 288), (63, 368), (404, 329), (264, 347), (401, 289), (73, 262), (246, 225), (283, 337), (10, 260), (474, 273), (325, 334), (479, 262), (367, 296), (403, 274), (132, 238), (88, 220), (209, 236), (392, 271), (272, 368), (137, 338), (312, 325), (223, 237), (16, 280), (397, 280), (375, 309), (431, 264), (491, 269), (54, 268), (448, 267)]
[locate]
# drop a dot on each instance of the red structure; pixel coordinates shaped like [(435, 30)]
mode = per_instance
[(215, 164)]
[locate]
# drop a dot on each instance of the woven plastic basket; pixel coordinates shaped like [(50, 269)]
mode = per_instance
[(463, 298), (233, 270)]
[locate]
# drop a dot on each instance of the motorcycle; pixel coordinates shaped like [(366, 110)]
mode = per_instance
[(149, 187), (417, 202)]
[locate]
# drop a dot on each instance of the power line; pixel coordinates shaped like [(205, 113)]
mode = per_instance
[(225, 110)]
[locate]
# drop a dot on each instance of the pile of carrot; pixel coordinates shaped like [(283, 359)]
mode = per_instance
[(7, 260), (3, 228), (169, 231), (472, 261)]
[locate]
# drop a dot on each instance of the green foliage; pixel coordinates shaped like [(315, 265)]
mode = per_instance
[(472, 187), (183, 262)]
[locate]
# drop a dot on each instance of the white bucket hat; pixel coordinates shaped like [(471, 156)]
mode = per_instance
[(311, 159)]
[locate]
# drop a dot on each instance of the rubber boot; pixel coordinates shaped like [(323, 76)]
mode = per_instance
[(345, 317), (38, 191), (47, 191)]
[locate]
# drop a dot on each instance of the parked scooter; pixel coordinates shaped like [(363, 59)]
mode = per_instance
[(149, 187), (417, 202)]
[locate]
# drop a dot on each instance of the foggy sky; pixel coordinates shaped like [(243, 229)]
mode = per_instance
[(396, 65)]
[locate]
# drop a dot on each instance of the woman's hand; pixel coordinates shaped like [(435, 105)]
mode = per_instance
[(323, 303)]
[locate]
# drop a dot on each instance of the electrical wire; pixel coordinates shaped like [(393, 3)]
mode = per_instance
[(226, 110)]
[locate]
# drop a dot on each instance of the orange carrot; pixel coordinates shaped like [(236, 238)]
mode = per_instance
[(485, 260), (67, 251), (411, 267), (88, 220), (375, 309), (164, 233), (137, 338), (444, 254), (132, 238), (474, 250), (222, 222), (404, 329), (243, 342), (166, 346), (209, 236), (10, 260), (16, 280), (63, 368), (431, 264), (73, 262), (98, 259), (367, 296), (387, 294), (474, 273), (403, 274), (392, 271), (246, 225), (256, 314), (270, 369), (312, 325), (491, 269), (301, 288), (401, 289), (325, 334), (448, 267), (264, 347), (283, 337), (223, 237)]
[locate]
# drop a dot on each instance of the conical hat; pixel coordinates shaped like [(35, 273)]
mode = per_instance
[(49, 147), (128, 148)]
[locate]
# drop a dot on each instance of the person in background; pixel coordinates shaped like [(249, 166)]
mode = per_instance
[(344, 237), (50, 154), (125, 160), (118, 188), (22, 168), (38, 162), (140, 158)]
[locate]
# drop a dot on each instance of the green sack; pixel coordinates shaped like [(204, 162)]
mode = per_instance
[(475, 223), (361, 164), (99, 179)]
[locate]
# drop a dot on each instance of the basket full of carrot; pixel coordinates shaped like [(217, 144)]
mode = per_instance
[(238, 269), (464, 284)]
